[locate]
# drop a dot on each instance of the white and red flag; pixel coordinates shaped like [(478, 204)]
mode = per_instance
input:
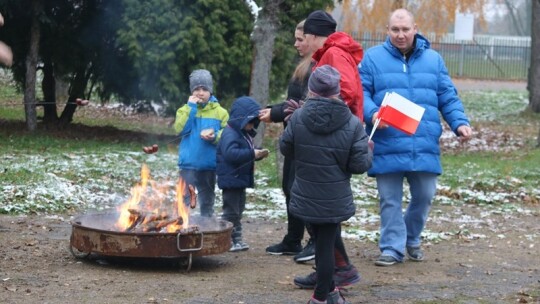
[(400, 113)]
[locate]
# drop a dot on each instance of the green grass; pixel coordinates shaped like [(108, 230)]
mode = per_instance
[(11, 108), (154, 127), (480, 68), (90, 168), (512, 174), (494, 172), (504, 107)]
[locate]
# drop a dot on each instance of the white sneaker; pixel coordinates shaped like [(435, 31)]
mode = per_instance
[(239, 246)]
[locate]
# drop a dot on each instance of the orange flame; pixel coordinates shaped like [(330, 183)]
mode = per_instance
[(153, 199)]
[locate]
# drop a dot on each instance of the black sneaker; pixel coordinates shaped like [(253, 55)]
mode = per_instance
[(346, 276), (281, 248), (307, 282), (335, 297), (386, 260), (307, 254), (342, 277), (415, 254)]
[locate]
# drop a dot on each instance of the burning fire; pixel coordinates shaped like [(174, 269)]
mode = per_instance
[(150, 208)]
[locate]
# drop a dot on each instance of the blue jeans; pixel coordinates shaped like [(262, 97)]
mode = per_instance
[(399, 230), (205, 183)]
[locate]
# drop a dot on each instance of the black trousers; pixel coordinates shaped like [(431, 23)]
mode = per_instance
[(295, 226), (326, 237)]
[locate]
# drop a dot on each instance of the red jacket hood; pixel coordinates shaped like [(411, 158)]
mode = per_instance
[(343, 41)]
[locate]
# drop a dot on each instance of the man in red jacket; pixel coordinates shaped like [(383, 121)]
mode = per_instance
[(339, 50)]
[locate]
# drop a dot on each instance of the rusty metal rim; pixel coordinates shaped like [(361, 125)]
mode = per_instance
[(76, 222), (94, 233)]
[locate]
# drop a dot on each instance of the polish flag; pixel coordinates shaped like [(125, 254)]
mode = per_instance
[(401, 113)]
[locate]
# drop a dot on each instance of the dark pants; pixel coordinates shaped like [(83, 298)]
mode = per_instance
[(205, 182), (234, 203), (326, 238), (295, 226), (340, 254)]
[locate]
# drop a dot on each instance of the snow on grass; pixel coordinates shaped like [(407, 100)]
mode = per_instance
[(80, 182)]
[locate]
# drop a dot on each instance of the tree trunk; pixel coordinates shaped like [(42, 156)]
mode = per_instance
[(534, 72), (538, 140), (31, 65), (78, 84), (263, 37), (48, 86)]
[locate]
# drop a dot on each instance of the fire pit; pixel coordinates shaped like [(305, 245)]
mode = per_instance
[(153, 223), (94, 233)]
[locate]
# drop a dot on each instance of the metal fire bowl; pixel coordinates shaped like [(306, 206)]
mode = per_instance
[(94, 233)]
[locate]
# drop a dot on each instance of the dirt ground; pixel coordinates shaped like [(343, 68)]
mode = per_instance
[(36, 266)]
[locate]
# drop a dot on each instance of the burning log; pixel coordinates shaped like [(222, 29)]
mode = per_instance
[(135, 218), (150, 222), (157, 225), (154, 217), (193, 197)]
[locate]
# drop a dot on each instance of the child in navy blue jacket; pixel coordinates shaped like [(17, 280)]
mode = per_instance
[(235, 163)]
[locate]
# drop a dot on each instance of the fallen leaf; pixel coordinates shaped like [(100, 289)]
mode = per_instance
[(11, 288), (31, 243)]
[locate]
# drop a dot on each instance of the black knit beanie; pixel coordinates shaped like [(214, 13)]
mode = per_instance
[(320, 23)]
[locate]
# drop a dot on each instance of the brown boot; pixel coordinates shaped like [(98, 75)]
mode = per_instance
[(335, 297)]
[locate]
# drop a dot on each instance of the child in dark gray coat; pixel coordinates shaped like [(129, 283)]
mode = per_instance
[(328, 144)]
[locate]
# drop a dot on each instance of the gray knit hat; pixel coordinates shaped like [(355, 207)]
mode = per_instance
[(201, 78), (324, 81)]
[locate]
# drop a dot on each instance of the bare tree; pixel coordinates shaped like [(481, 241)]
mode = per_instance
[(263, 37), (534, 72), (533, 84), (538, 140), (516, 23), (31, 66)]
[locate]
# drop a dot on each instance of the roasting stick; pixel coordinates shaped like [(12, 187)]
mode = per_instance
[(154, 148), (193, 193)]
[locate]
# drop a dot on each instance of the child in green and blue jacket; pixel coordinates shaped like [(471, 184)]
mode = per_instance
[(199, 124)]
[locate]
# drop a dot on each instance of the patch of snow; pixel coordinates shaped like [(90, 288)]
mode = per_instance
[(82, 181)]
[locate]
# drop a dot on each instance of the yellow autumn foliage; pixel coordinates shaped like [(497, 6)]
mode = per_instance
[(431, 16)]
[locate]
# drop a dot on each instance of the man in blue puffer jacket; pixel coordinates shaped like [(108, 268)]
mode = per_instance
[(405, 64)]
